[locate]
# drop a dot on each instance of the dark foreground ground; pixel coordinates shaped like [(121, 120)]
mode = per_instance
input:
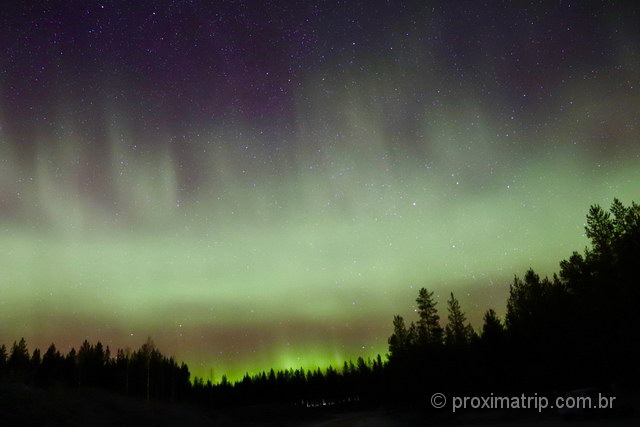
[(26, 406)]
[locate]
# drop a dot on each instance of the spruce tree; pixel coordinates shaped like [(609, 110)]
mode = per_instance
[(457, 332), (398, 340), (429, 330)]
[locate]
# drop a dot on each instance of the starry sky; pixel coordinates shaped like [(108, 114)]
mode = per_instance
[(266, 183)]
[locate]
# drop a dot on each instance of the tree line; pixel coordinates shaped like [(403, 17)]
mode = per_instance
[(577, 328), (145, 372)]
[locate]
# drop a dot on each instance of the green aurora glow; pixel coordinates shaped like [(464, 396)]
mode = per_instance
[(252, 266)]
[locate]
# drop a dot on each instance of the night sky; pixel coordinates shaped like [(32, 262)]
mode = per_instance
[(266, 183)]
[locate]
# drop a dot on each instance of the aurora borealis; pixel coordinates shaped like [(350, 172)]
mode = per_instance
[(265, 184)]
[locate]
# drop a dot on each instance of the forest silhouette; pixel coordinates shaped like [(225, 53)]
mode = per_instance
[(576, 329)]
